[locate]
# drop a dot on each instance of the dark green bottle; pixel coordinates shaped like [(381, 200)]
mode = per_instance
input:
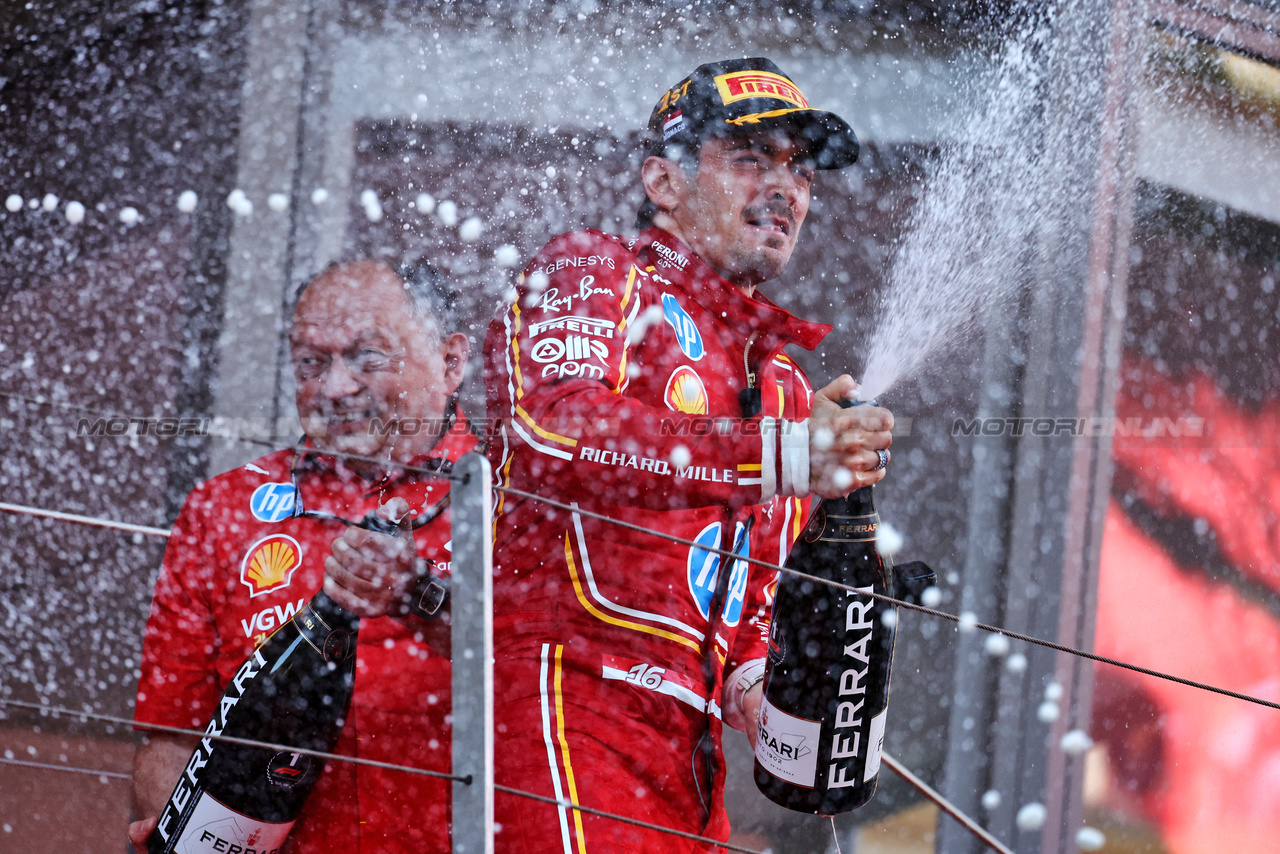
[(826, 684), (295, 689)]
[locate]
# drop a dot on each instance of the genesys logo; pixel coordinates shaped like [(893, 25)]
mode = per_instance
[(273, 502), (687, 334), (270, 564)]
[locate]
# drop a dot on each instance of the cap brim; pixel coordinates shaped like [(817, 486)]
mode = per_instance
[(832, 141)]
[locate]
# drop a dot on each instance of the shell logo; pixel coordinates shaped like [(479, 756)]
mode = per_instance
[(685, 392), (270, 564)]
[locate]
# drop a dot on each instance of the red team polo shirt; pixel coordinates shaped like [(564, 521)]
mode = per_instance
[(238, 565)]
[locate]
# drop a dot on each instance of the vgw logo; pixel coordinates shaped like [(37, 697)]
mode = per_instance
[(704, 571), (273, 502), (687, 334)]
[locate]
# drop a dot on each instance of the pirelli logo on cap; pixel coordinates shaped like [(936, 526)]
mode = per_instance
[(739, 85)]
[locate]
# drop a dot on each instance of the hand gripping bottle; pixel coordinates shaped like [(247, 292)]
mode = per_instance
[(826, 684), (294, 690)]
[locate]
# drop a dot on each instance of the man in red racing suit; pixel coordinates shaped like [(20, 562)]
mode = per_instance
[(645, 380)]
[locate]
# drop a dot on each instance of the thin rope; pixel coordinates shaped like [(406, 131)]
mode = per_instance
[(911, 606), (83, 520), (251, 440), (945, 805), (46, 766), (249, 742), (964, 624), (546, 799), (57, 711)]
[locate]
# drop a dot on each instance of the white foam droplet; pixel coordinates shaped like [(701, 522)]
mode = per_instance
[(319, 196), (236, 198), (448, 213), (372, 205), (75, 213), (506, 255), (889, 618), (425, 203), (822, 438), (1032, 816), (650, 317), (842, 478), (471, 229), (968, 621), (278, 202), (680, 456), (187, 201), (1016, 663), (551, 171), (1090, 839), (888, 540), (129, 215), (996, 645), (1048, 712), (931, 597), (13, 203), (1053, 691), (49, 202), (1076, 742), (990, 799)]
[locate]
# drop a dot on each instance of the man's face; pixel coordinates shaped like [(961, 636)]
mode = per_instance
[(741, 211), (360, 357)]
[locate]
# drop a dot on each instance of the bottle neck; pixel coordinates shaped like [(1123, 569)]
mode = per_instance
[(332, 613), (860, 502)]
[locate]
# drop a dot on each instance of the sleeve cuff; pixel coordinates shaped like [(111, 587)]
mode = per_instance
[(793, 458), (736, 686)]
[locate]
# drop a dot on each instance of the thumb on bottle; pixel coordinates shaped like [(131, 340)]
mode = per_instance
[(398, 512), (843, 386)]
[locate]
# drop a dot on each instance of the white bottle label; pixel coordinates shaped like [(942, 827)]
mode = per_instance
[(216, 829), (875, 742), (787, 746)]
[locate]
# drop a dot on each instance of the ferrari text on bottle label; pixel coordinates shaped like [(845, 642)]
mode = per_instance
[(787, 746)]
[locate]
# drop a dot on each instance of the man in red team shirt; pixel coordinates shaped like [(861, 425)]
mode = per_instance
[(645, 379), (377, 365)]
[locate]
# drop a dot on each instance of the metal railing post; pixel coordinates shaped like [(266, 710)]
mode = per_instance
[(471, 597)]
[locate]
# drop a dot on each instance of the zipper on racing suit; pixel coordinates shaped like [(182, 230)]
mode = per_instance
[(705, 747), (749, 398)]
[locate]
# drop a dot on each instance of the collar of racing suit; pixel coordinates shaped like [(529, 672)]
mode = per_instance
[(773, 326)]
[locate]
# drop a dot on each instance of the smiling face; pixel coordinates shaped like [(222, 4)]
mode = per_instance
[(741, 211), (364, 363)]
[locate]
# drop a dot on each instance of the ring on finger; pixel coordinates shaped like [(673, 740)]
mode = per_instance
[(884, 460)]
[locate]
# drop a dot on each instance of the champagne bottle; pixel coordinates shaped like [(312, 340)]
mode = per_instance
[(826, 684), (295, 689)]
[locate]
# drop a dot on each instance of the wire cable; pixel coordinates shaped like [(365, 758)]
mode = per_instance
[(47, 766), (1102, 659), (249, 742), (546, 799), (83, 520), (945, 805), (57, 711), (964, 623)]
